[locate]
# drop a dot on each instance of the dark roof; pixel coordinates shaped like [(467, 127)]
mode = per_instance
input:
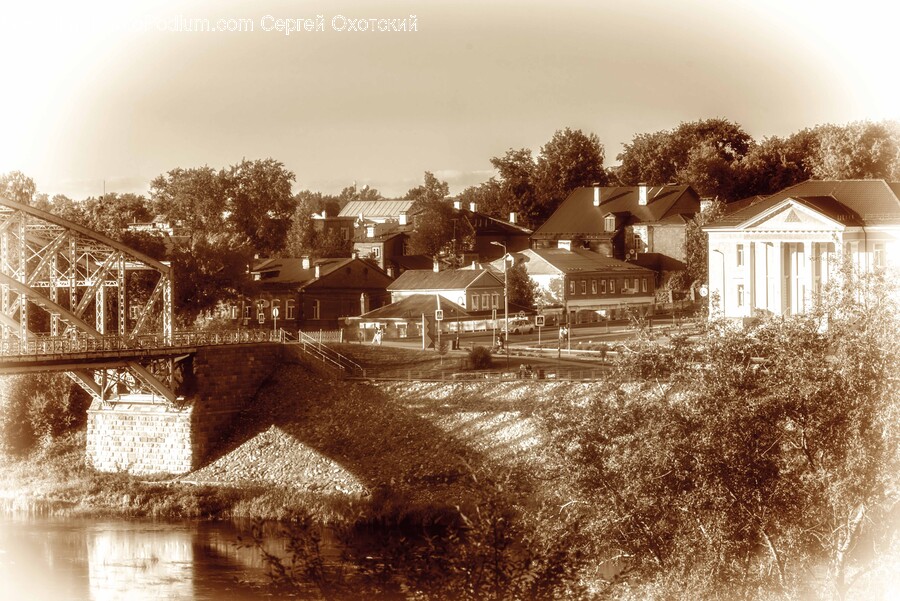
[(851, 202), (413, 261), (578, 215), (451, 279), (582, 260), (415, 306), (290, 270)]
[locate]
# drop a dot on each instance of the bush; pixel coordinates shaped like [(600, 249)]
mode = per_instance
[(39, 407), (480, 358)]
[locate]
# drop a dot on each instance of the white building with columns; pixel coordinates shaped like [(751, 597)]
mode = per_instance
[(774, 257)]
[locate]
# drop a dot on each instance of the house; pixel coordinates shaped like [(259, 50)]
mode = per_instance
[(314, 294), (622, 222), (414, 315), (377, 211), (586, 284), (774, 256), (385, 241), (472, 289)]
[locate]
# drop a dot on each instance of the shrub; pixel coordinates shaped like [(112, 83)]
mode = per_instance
[(480, 358), (39, 407)]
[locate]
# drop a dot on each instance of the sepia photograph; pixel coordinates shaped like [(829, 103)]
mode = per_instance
[(432, 300)]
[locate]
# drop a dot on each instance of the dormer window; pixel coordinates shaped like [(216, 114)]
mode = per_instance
[(609, 223)]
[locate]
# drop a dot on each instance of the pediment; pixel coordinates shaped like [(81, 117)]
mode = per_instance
[(792, 216)]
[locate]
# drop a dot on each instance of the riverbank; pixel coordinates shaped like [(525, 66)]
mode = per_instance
[(310, 444)]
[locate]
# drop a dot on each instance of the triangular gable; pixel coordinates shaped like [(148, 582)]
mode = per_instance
[(790, 215)]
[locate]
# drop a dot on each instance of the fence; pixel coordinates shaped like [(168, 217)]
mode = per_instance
[(548, 373)]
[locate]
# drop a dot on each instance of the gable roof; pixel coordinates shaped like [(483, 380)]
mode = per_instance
[(582, 260), (849, 202), (414, 306), (578, 215), (451, 279), (290, 271), (375, 209)]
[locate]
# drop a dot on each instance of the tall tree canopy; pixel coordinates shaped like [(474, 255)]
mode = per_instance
[(17, 186), (432, 189), (570, 159), (259, 202)]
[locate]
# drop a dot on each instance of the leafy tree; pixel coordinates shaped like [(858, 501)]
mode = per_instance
[(435, 224), (570, 159), (353, 193), (489, 198), (432, 190), (517, 169), (696, 242), (777, 163), (113, 213), (523, 291), (703, 154), (17, 186), (259, 202), (860, 150), (752, 459), (192, 198)]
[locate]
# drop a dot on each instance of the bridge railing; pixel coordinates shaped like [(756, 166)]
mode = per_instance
[(80, 344)]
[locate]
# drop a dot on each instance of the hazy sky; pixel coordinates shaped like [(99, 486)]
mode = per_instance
[(102, 91)]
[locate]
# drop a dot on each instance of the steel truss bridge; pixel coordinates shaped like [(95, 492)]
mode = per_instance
[(74, 300)]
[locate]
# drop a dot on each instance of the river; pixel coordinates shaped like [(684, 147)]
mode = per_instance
[(62, 559)]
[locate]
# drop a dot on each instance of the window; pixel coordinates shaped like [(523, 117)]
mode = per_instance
[(345, 233), (485, 300), (602, 286), (643, 284), (246, 310), (584, 286), (571, 286), (740, 255), (609, 223), (289, 309), (475, 302), (612, 286), (376, 252), (635, 284), (495, 301), (740, 295), (878, 255), (234, 311), (316, 309), (593, 286)]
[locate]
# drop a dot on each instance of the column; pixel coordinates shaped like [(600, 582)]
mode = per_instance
[(777, 267), (807, 276)]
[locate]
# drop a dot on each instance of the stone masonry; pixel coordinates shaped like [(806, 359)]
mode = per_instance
[(148, 438)]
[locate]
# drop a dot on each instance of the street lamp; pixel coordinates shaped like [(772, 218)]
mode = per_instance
[(505, 301)]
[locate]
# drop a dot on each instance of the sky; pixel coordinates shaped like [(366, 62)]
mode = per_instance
[(113, 94)]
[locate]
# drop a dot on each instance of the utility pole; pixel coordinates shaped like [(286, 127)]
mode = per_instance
[(505, 302)]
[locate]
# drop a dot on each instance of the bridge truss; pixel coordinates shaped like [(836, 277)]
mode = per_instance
[(65, 283)]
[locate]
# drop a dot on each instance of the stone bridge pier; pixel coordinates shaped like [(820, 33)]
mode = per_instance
[(137, 435)]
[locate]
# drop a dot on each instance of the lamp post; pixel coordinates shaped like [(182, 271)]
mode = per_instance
[(505, 301)]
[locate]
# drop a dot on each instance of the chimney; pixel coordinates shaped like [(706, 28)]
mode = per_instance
[(437, 266), (513, 217), (318, 272), (354, 254), (390, 271), (473, 207), (370, 231), (305, 261), (403, 218), (457, 204), (564, 244), (642, 194), (363, 303), (597, 195)]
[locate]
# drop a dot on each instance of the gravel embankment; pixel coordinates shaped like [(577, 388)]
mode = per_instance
[(429, 442)]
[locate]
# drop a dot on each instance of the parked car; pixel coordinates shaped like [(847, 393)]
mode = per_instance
[(520, 326)]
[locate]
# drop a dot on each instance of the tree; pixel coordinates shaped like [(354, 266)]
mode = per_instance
[(777, 163), (714, 472), (523, 291), (859, 150), (353, 193), (193, 199), (696, 242), (488, 197), (432, 190), (259, 202), (517, 170), (570, 159), (435, 225), (17, 186), (112, 213), (704, 154)]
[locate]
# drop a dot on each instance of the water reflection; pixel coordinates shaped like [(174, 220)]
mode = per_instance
[(111, 560)]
